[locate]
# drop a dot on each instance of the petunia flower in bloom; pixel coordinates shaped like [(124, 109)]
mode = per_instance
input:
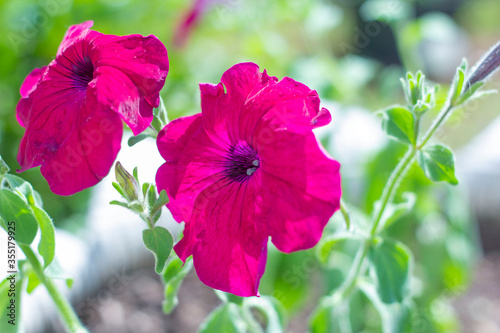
[(72, 108), (246, 168)]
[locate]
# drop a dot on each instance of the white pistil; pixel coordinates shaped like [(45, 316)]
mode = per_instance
[(255, 163), (250, 171)]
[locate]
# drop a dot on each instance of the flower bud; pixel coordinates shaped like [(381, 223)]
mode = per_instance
[(127, 182), (486, 66)]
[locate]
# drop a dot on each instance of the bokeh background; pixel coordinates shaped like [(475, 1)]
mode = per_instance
[(352, 53)]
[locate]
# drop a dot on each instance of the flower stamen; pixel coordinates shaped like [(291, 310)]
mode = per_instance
[(241, 162)]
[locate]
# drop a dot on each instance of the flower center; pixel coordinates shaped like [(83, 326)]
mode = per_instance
[(241, 163), (83, 72)]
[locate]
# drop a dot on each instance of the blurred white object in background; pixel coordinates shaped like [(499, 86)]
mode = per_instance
[(478, 166)]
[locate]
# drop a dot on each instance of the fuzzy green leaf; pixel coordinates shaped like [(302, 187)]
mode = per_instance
[(10, 304), (173, 276), (226, 318), (274, 312), (14, 208), (457, 85), (159, 241), (390, 264), (47, 246), (399, 124), (438, 164), (132, 141), (395, 317)]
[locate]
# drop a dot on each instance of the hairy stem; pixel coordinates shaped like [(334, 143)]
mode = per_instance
[(387, 195), (445, 111), (345, 214), (68, 314), (391, 187)]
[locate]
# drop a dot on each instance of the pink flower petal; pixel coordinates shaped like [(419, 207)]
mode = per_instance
[(73, 34), (199, 166), (120, 94), (302, 189), (143, 59), (48, 115), (172, 141), (87, 154), (231, 239), (29, 85), (239, 82), (31, 81)]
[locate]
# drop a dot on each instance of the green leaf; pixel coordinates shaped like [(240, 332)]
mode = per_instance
[(156, 123), (228, 297), (136, 139), (24, 188), (457, 85), (159, 241), (395, 317), (151, 197), (225, 318), (274, 312), (55, 271), (10, 304), (161, 113), (399, 124), (173, 276), (47, 246), (33, 281), (119, 189), (331, 243), (158, 205), (438, 164), (463, 65), (394, 211), (4, 168), (331, 317), (14, 208), (119, 203), (390, 264)]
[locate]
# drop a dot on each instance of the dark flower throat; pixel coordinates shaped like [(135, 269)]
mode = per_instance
[(83, 72), (241, 163)]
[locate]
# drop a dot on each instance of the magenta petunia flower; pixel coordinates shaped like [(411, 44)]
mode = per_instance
[(246, 168), (72, 108)]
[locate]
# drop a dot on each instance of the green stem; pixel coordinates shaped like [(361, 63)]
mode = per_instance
[(68, 314), (445, 111), (350, 282), (388, 193), (390, 187), (345, 214)]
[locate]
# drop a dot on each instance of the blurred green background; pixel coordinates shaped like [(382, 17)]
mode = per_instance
[(351, 52)]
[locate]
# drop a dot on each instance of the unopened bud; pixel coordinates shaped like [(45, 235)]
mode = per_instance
[(127, 182), (486, 66)]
